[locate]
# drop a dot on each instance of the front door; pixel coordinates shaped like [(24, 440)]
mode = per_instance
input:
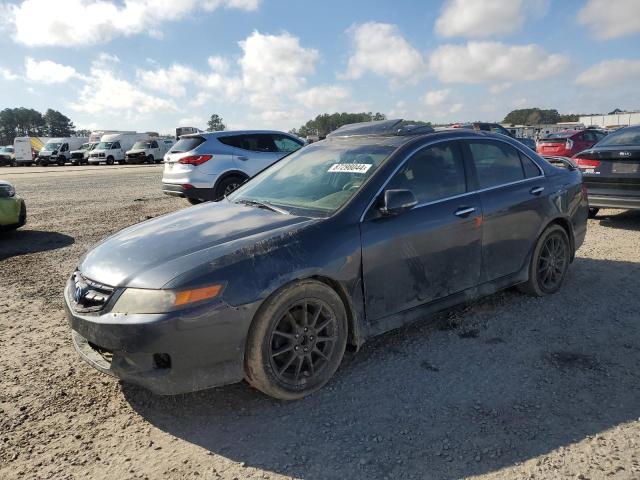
[(431, 251)]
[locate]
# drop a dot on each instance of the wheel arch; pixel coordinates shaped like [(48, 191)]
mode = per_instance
[(568, 228), (227, 174)]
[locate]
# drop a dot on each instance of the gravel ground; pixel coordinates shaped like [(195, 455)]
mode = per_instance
[(506, 387)]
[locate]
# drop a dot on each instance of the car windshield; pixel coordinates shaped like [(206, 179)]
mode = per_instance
[(85, 146), (52, 146), (6, 149), (92, 146), (142, 145), (626, 136), (317, 179), (104, 145)]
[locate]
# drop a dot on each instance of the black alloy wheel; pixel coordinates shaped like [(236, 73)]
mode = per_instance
[(549, 263), (302, 341), (296, 341)]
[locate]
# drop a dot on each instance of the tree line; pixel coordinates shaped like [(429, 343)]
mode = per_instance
[(535, 116), (19, 122), (327, 123)]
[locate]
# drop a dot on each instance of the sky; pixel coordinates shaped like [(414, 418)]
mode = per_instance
[(153, 65)]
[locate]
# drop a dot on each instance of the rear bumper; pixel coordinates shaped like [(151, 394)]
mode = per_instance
[(609, 201), (170, 353), (175, 190)]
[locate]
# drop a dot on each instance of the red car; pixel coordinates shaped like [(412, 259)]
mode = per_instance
[(568, 142)]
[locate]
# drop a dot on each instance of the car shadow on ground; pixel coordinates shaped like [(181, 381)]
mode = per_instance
[(478, 389), (23, 241), (621, 219)]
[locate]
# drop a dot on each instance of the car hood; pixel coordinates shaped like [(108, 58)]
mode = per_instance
[(152, 253)]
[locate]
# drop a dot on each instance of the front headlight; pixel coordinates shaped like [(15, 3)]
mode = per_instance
[(7, 191), (141, 300)]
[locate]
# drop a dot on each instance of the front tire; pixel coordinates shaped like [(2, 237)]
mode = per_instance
[(151, 160), (549, 263), (296, 341), (109, 160)]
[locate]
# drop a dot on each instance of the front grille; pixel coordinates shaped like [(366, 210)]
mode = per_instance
[(77, 155), (88, 295)]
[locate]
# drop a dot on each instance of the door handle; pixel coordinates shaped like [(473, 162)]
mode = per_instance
[(536, 190), (243, 158), (463, 212)]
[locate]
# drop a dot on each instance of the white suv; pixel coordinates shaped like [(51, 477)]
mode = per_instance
[(208, 166)]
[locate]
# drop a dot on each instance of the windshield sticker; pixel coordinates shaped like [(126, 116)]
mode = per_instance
[(350, 167)]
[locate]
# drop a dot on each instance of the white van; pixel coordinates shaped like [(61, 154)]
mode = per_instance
[(96, 135), (112, 147), (81, 156), (152, 150), (58, 150)]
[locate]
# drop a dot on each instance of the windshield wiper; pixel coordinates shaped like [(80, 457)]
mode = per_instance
[(266, 205)]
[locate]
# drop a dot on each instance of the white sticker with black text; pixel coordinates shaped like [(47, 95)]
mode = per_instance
[(350, 167)]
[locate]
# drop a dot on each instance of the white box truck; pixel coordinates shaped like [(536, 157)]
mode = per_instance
[(27, 148), (149, 151), (112, 147), (96, 135), (58, 150)]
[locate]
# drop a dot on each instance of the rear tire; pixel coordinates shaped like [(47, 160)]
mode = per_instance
[(549, 263), (194, 201), (227, 185), (593, 212), (296, 341)]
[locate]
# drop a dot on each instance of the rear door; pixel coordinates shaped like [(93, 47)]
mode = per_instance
[(512, 193), (431, 251), (255, 152)]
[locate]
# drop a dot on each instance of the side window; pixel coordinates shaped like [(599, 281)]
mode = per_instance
[(115, 145), (433, 173), (285, 144), (65, 147), (589, 137), (530, 168), (232, 141), (496, 163)]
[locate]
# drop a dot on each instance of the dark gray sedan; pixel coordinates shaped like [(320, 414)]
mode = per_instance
[(379, 225)]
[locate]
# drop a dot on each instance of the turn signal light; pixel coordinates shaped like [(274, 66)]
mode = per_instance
[(189, 296), (586, 163), (195, 159)]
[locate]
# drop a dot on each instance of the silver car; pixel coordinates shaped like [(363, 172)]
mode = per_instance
[(208, 166)]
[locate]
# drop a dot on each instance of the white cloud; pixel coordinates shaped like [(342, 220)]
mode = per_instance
[(48, 72), (218, 64), (87, 22), (607, 19), (194, 121), (106, 93), (486, 18), (494, 62), (324, 97), (7, 74), (380, 48), (273, 65), (170, 81), (611, 74), (200, 99), (435, 98)]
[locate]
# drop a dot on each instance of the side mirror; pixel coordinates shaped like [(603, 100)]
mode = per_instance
[(395, 202)]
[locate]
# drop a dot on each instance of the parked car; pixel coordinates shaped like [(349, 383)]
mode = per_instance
[(529, 142), (148, 151), (58, 150), (81, 156), (495, 128), (7, 157), (207, 166), (13, 211), (377, 226), (611, 170), (112, 147), (569, 142)]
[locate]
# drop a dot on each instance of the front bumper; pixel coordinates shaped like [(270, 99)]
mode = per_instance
[(170, 353)]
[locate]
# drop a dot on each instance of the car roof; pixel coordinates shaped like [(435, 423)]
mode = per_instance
[(226, 133), (4, 182)]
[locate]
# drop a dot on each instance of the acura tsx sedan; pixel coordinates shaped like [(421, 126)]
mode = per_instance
[(379, 225)]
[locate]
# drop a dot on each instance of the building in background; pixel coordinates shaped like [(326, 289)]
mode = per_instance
[(615, 120)]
